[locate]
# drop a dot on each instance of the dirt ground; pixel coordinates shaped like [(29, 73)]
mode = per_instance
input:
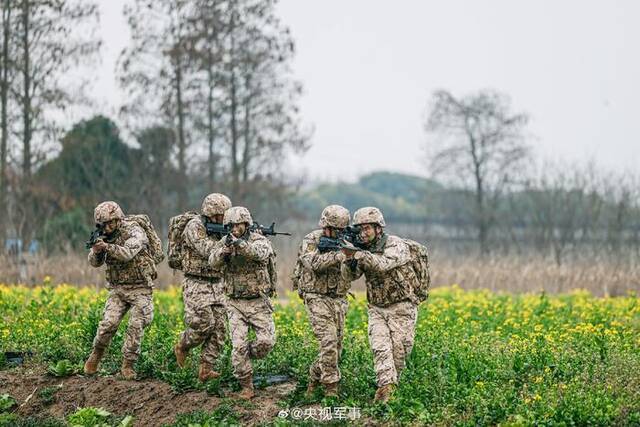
[(151, 402)]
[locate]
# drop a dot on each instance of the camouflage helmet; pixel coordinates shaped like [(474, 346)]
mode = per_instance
[(334, 216), (106, 211), (368, 215), (215, 204), (236, 215)]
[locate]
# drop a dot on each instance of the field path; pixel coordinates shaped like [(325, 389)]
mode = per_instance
[(151, 402)]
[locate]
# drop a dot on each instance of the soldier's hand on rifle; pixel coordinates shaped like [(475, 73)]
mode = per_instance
[(348, 252), (99, 246)]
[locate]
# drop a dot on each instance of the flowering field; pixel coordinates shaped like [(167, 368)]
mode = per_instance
[(479, 357)]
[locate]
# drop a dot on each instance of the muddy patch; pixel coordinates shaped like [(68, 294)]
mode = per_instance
[(151, 402)]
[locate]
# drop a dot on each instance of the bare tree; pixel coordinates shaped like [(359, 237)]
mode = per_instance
[(479, 143), (264, 116), (7, 72), (53, 37), (211, 30), (565, 208), (156, 72), (220, 71), (621, 193)]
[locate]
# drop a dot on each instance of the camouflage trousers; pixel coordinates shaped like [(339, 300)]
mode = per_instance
[(205, 316), (256, 314), (136, 299), (391, 334), (326, 315)]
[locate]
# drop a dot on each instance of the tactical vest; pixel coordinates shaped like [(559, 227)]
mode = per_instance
[(245, 278), (139, 270), (326, 282), (384, 289), (194, 264)]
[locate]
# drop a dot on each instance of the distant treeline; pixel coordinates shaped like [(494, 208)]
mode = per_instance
[(573, 211)]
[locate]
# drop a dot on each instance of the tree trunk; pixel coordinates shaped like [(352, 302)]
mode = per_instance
[(481, 221), (246, 155), (182, 145), (26, 110), (235, 167), (26, 117), (210, 114), (4, 97)]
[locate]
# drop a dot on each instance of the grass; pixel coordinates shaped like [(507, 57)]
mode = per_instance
[(479, 357)]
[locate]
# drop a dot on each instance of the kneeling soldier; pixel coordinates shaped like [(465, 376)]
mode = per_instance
[(243, 257)]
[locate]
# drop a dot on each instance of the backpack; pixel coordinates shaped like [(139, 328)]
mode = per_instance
[(155, 244), (273, 275), (420, 265), (177, 224)]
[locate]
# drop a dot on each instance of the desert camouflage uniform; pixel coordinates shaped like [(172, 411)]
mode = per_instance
[(202, 293), (392, 308), (324, 291), (246, 281), (130, 273)]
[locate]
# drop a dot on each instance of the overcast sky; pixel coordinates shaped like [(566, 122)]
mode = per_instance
[(369, 67)]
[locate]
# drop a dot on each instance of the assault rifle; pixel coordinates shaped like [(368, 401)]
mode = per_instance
[(96, 234), (215, 228), (349, 238), (255, 227), (267, 231)]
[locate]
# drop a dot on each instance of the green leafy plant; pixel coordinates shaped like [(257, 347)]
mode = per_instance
[(8, 420), (48, 394), (62, 368), (89, 417), (126, 421), (6, 403), (224, 415)]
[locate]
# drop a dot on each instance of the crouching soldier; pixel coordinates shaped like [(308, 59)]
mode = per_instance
[(243, 257), (204, 311), (386, 262), (319, 282), (130, 260)]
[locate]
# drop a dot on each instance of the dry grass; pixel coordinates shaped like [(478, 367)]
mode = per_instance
[(519, 274), (510, 274)]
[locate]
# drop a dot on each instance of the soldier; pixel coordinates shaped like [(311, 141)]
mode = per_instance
[(320, 284), (130, 273), (244, 256), (392, 309), (204, 311)]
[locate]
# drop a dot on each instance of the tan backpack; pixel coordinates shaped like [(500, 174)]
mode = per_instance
[(273, 276), (155, 244), (177, 224), (420, 264)]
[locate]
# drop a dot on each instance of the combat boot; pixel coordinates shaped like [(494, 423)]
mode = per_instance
[(206, 373), (127, 371), (311, 387), (331, 390), (181, 354), (247, 388), (91, 365), (383, 394)]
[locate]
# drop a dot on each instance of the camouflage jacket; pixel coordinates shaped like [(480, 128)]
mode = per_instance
[(127, 256), (387, 270), (319, 272), (245, 270), (196, 250)]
